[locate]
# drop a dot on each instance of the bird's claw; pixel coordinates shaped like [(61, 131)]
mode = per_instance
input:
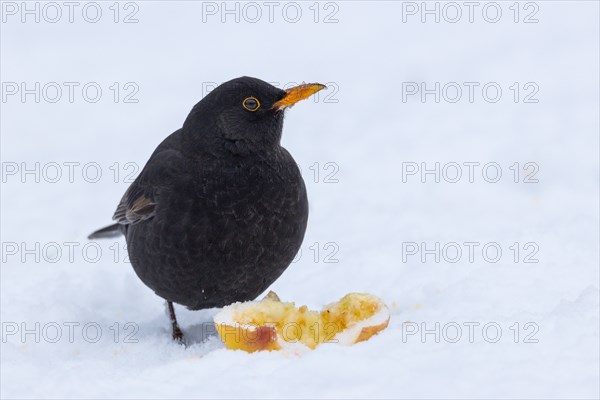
[(177, 334)]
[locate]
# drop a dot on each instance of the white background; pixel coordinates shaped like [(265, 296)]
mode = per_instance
[(368, 131)]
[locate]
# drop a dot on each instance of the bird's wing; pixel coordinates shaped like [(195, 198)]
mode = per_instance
[(135, 205), (141, 199)]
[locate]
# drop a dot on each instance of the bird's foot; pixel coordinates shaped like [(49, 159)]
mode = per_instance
[(177, 333)]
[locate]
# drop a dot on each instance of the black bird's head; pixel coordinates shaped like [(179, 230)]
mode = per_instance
[(243, 115)]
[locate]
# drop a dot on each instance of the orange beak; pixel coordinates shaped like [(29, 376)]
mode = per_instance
[(297, 93)]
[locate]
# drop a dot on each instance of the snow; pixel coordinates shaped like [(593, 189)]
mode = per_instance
[(361, 221)]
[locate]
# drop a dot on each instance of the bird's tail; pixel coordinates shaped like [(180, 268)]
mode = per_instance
[(107, 232)]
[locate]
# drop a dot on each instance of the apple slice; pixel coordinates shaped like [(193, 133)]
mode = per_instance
[(271, 324)]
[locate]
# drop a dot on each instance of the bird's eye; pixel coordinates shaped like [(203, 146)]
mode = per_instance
[(251, 104)]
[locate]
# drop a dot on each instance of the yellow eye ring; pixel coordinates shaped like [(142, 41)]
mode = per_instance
[(251, 104)]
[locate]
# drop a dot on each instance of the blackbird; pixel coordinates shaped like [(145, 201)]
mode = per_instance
[(219, 210)]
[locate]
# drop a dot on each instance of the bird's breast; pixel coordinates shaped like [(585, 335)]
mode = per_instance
[(241, 200)]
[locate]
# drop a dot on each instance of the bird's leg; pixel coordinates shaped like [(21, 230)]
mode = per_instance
[(177, 333)]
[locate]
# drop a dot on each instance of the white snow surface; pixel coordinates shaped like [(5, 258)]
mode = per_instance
[(361, 221)]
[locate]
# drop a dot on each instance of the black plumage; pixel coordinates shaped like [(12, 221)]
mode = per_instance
[(220, 209)]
